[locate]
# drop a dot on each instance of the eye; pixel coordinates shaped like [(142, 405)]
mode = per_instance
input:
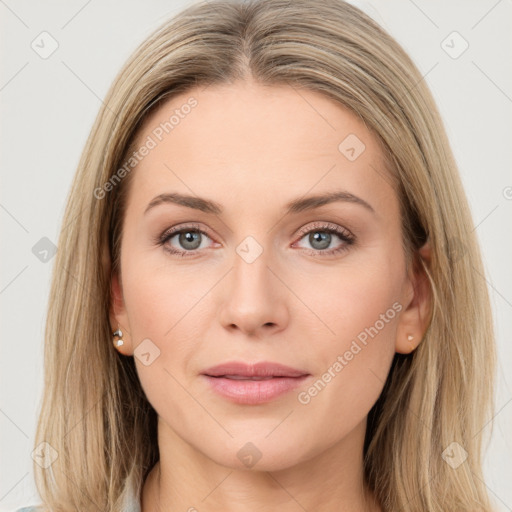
[(320, 237), (188, 240)]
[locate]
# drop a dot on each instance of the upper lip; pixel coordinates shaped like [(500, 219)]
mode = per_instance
[(259, 369)]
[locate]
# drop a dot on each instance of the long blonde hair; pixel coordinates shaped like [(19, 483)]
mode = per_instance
[(94, 413)]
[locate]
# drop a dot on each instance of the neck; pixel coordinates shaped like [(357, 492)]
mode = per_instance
[(186, 479)]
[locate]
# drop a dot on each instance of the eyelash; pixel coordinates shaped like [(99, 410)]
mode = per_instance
[(342, 233)]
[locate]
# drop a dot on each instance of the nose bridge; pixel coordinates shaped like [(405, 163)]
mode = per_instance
[(251, 261), (253, 298)]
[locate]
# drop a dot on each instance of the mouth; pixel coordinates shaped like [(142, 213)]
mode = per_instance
[(259, 370), (253, 384), (244, 377)]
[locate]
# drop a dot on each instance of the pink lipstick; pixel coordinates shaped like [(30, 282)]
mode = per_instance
[(253, 383)]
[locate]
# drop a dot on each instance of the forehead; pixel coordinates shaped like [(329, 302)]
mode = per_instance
[(255, 143)]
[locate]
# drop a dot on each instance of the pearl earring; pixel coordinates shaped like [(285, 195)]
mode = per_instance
[(410, 337), (118, 334)]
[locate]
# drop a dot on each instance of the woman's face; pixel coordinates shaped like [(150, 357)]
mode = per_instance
[(261, 273)]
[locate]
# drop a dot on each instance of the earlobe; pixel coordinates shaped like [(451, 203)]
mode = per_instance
[(118, 338), (415, 318)]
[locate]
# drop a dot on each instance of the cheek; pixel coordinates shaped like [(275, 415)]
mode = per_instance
[(361, 307), (352, 374), (161, 310), (157, 293), (160, 304), (349, 300)]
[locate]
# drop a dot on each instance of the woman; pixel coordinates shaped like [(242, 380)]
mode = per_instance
[(266, 291)]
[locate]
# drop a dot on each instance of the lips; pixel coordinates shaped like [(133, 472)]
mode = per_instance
[(252, 384), (256, 371)]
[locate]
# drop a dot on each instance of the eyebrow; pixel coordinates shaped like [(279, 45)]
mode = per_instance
[(295, 206)]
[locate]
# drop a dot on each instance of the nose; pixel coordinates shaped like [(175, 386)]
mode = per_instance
[(254, 298)]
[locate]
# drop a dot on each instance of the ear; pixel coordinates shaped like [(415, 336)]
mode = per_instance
[(118, 315), (417, 298)]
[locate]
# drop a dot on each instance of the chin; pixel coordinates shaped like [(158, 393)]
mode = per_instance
[(257, 453)]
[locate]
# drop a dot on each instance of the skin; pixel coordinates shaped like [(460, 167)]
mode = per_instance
[(254, 148)]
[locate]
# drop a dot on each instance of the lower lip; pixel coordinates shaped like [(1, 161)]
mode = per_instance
[(254, 391)]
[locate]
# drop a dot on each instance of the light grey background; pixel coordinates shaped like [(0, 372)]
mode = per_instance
[(47, 107)]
